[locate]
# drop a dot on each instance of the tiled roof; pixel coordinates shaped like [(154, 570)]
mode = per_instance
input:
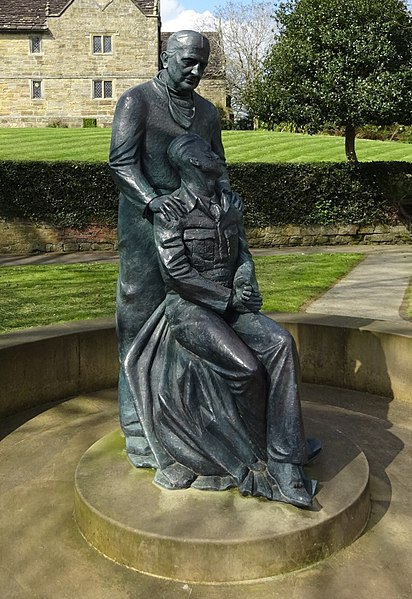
[(32, 14), (146, 6), (23, 14)]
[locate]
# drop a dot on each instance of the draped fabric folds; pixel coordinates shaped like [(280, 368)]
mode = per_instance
[(188, 414)]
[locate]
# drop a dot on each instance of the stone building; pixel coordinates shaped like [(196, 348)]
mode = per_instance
[(63, 61)]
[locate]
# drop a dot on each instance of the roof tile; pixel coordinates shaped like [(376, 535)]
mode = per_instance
[(24, 15)]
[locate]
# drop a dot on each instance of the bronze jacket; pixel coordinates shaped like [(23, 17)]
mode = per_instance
[(201, 253)]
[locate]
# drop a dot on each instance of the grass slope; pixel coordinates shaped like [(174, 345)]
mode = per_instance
[(92, 145), (40, 295)]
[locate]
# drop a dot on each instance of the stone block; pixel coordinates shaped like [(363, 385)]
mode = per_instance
[(348, 229), (102, 247), (295, 241), (70, 247), (379, 238), (291, 230), (366, 229), (85, 247), (307, 240), (341, 240), (320, 240), (381, 229)]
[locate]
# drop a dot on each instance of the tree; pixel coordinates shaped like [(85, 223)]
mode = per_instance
[(347, 63), (245, 35)]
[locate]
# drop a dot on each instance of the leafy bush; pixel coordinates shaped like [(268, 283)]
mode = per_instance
[(59, 193), (226, 117), (89, 123), (57, 125), (321, 194), (77, 194)]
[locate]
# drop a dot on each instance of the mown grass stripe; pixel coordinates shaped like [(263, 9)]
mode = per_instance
[(92, 145)]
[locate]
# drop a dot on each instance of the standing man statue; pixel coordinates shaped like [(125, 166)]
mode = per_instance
[(147, 118), (185, 410)]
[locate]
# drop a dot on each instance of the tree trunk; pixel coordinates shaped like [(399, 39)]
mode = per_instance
[(350, 134)]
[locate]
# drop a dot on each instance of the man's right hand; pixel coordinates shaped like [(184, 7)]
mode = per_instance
[(170, 206), (246, 299)]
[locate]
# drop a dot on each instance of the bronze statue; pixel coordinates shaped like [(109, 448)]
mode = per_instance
[(147, 118), (209, 389), (215, 381)]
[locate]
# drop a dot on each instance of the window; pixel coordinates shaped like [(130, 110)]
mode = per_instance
[(102, 44), (36, 90), (102, 89), (35, 44)]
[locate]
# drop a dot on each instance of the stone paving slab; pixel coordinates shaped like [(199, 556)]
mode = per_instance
[(42, 554), (375, 288)]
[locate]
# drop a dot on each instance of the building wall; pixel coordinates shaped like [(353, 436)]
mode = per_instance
[(67, 65), (214, 90)]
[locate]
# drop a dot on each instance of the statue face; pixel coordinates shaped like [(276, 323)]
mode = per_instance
[(185, 67), (207, 161)]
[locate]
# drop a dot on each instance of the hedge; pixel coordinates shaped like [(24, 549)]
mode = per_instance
[(77, 194)]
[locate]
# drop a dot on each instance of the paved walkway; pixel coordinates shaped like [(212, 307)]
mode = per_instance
[(43, 556), (376, 288)]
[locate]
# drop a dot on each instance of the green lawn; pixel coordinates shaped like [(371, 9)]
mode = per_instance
[(39, 295), (241, 146)]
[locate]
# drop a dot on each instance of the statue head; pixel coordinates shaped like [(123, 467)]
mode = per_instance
[(189, 153), (185, 60)]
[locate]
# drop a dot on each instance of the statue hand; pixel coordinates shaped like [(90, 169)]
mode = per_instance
[(170, 206), (246, 299), (245, 291), (233, 198)]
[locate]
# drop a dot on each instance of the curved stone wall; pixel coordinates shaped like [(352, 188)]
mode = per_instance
[(45, 364)]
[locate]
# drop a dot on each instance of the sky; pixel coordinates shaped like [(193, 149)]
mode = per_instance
[(184, 14)]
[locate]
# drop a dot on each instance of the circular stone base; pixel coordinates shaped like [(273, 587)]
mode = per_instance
[(218, 536)]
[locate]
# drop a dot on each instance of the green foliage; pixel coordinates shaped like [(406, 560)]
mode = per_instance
[(77, 194), (59, 193), (309, 194), (347, 63), (58, 125), (89, 123), (226, 117)]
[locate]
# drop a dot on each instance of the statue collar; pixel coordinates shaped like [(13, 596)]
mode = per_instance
[(181, 107), (210, 205)]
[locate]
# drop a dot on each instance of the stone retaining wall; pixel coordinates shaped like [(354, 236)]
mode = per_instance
[(48, 363), (294, 235), (23, 237)]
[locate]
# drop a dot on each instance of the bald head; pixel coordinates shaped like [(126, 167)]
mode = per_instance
[(185, 60), (187, 38)]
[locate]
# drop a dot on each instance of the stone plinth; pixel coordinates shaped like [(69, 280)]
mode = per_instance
[(199, 536)]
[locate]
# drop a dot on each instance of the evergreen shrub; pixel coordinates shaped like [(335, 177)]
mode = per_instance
[(76, 194)]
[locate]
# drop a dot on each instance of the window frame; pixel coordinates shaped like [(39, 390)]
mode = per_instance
[(32, 52), (102, 37), (32, 87), (103, 85)]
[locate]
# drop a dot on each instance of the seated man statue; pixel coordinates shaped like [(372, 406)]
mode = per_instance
[(216, 382)]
